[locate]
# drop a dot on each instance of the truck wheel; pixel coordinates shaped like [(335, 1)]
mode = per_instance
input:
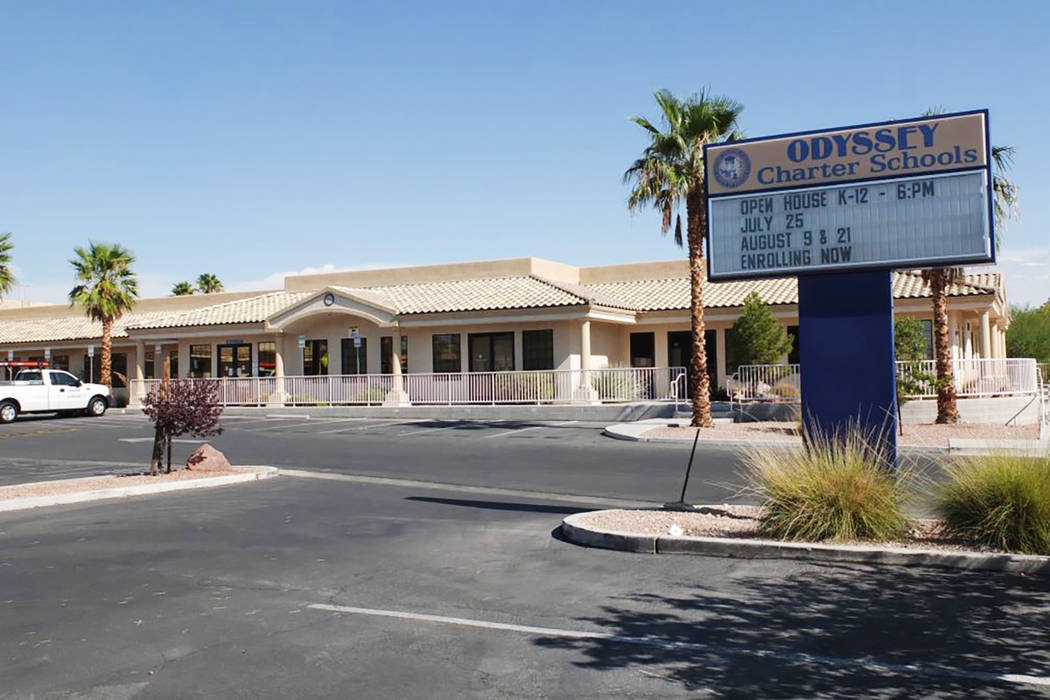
[(8, 412), (96, 406)]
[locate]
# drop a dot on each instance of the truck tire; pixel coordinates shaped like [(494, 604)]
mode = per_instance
[(96, 407), (8, 411)]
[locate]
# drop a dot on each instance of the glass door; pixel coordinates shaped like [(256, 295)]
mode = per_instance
[(491, 352), (680, 354), (235, 360)]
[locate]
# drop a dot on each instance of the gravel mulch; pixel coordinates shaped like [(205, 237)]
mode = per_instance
[(736, 521), (96, 483), (762, 430), (914, 435)]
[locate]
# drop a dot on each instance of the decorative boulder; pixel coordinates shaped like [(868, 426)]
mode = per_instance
[(208, 459)]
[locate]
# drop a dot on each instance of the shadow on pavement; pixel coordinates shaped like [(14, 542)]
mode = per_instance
[(499, 505), (809, 635)]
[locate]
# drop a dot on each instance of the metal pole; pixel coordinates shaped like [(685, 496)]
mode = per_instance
[(680, 504)]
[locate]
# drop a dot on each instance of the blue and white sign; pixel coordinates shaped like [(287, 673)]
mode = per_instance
[(914, 193)]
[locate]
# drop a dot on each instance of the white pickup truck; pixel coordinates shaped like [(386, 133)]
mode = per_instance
[(50, 391)]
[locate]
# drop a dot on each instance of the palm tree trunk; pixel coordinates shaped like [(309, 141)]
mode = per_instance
[(107, 353), (947, 412), (699, 382)]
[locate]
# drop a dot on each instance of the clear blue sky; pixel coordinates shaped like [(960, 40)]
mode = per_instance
[(251, 139)]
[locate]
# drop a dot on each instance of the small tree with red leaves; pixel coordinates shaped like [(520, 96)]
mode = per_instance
[(177, 408)]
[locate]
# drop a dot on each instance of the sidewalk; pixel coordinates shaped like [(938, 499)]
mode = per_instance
[(644, 431)]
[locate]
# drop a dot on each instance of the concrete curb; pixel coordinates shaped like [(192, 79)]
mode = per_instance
[(633, 432), (574, 531), (12, 504)]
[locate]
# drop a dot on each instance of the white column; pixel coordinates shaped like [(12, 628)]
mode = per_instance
[(278, 370), (138, 390), (585, 392), (954, 339), (585, 345), (986, 336)]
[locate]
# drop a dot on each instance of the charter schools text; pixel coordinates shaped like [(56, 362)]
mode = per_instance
[(886, 151)]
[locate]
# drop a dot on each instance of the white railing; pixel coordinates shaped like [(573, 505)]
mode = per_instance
[(610, 385), (765, 383), (976, 377), (972, 378)]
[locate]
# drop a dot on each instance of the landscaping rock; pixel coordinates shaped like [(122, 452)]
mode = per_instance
[(208, 459)]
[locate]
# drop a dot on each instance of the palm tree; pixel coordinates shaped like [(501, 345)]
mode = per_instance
[(181, 289), (1005, 199), (670, 173), (107, 289), (7, 278), (209, 283)]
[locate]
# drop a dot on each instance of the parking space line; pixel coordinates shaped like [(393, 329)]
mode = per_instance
[(522, 430), (311, 423), (791, 657), (268, 421), (372, 425)]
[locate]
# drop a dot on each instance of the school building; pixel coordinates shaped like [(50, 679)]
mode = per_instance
[(430, 333)]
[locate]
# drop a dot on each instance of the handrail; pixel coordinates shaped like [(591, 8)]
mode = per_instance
[(604, 385), (973, 378)]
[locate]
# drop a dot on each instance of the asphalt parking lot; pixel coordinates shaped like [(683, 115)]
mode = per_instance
[(446, 579), (547, 456)]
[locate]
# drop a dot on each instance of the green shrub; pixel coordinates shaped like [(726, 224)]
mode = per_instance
[(831, 490), (1000, 501)]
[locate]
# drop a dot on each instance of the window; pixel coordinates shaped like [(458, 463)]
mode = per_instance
[(537, 349), (446, 352), (491, 352), (927, 333), (386, 343), (149, 366), (200, 361), (64, 379), (352, 355), (735, 353), (60, 362), (118, 369), (267, 359)]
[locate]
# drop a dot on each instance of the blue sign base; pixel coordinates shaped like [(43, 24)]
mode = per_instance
[(846, 352)]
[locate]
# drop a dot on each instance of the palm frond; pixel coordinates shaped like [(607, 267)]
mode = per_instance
[(7, 277)]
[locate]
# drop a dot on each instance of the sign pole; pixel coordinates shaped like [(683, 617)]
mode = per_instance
[(846, 351)]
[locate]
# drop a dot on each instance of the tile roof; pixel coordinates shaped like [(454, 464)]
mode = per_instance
[(469, 295), (472, 295), (669, 294), (249, 310)]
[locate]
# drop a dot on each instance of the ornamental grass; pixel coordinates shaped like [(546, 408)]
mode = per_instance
[(998, 501), (831, 490)]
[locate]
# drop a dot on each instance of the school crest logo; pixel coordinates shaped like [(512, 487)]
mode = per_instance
[(732, 167)]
